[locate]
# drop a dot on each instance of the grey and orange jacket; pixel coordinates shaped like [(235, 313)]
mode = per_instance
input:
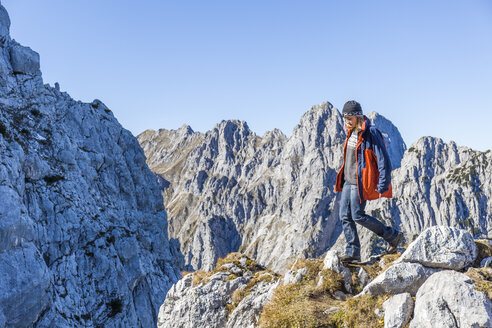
[(373, 164)]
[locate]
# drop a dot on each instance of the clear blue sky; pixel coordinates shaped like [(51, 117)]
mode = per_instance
[(425, 65)]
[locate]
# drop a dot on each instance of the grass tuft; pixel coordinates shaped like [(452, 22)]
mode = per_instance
[(303, 304), (482, 277), (359, 312)]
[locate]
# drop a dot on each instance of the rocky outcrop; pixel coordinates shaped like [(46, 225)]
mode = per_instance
[(83, 231), (231, 296), (270, 197), (449, 299)]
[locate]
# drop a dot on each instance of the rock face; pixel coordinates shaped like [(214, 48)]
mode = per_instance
[(83, 231), (442, 247), (271, 197), (441, 184), (449, 299)]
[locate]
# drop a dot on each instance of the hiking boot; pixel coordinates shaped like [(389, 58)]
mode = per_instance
[(349, 259), (393, 245)]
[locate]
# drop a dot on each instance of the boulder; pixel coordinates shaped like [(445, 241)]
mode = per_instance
[(332, 262), (449, 299), (363, 277), (442, 247), (398, 310), (399, 278)]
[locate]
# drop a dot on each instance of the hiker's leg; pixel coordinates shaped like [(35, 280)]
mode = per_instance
[(349, 228), (369, 222)]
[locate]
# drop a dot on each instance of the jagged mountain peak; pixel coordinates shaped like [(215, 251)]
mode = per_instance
[(275, 134), (317, 115), (392, 137), (228, 127), (186, 129), (4, 22)]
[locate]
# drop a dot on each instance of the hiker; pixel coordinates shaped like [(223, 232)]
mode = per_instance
[(365, 175)]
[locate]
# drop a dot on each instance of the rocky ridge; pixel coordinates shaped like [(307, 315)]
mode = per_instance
[(431, 270), (83, 231)]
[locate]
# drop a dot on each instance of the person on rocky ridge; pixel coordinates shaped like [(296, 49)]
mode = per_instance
[(365, 175)]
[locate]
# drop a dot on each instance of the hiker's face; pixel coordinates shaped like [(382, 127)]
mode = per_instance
[(350, 122)]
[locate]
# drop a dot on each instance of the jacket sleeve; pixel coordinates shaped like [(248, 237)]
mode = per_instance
[(384, 163)]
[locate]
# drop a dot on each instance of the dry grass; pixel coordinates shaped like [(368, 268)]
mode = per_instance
[(484, 250), (359, 312), (483, 280), (388, 261), (201, 276), (297, 305), (185, 273), (303, 304)]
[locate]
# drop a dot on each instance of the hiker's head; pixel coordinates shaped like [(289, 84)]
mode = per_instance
[(352, 114)]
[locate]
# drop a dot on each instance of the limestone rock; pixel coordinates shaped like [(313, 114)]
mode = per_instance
[(25, 286), (332, 262), (248, 310), (207, 303), (442, 247), (293, 276), (399, 278), (398, 310), (486, 262), (363, 277), (449, 299)]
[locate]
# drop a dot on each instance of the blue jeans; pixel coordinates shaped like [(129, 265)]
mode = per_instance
[(351, 212)]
